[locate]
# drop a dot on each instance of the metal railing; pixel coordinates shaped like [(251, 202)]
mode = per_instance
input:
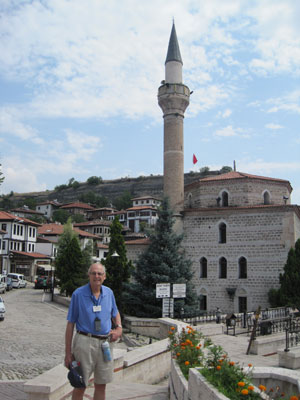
[(292, 334)]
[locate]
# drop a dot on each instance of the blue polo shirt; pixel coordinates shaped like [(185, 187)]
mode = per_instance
[(81, 309)]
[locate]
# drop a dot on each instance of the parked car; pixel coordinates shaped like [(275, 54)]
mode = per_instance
[(2, 309), (18, 280), (39, 282), (9, 284), (2, 283)]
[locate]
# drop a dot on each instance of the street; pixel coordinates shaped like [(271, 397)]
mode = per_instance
[(31, 335)]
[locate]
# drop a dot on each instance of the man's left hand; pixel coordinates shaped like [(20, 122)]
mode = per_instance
[(115, 334)]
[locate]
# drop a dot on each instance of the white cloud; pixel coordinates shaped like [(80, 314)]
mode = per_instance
[(82, 145), (10, 124), (229, 131), (273, 126)]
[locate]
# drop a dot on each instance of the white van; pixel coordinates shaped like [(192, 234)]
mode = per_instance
[(18, 280), (2, 283)]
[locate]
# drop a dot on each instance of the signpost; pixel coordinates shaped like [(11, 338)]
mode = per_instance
[(168, 308), (179, 290), (163, 291)]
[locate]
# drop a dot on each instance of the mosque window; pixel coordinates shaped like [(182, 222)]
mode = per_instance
[(222, 268), (222, 232), (190, 200), (242, 268), (224, 199), (267, 199), (203, 267), (203, 302)]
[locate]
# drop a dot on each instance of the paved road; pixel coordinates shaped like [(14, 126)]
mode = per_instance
[(31, 335)]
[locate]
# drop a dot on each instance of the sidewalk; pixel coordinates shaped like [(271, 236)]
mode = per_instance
[(129, 391)]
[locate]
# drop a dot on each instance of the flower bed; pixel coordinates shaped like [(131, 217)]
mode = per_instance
[(223, 378)]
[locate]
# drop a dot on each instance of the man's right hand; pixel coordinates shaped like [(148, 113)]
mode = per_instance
[(68, 360)]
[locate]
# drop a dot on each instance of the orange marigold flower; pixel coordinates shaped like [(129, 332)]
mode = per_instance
[(244, 392), (170, 333), (294, 398), (250, 387), (231, 363), (219, 367), (178, 354), (172, 328), (262, 388), (224, 356), (187, 363), (241, 384), (198, 347), (250, 365)]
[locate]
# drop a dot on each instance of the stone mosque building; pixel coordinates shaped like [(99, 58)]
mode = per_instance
[(238, 228)]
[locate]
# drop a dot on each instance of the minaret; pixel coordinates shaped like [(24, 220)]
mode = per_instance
[(173, 98)]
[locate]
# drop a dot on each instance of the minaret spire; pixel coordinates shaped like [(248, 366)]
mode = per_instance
[(173, 48), (173, 98)]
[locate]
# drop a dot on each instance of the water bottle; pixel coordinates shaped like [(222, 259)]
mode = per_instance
[(106, 351)]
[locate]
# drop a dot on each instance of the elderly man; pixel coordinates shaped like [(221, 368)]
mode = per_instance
[(92, 309)]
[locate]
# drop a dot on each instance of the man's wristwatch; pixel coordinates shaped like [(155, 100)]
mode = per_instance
[(118, 326)]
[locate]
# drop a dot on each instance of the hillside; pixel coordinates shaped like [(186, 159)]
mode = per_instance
[(111, 189)]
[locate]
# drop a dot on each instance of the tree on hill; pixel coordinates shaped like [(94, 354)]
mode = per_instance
[(118, 268), (124, 201), (288, 294), (1, 177), (61, 216), (163, 262), (70, 264)]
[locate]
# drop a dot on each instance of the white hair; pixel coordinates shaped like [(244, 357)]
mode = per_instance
[(98, 263)]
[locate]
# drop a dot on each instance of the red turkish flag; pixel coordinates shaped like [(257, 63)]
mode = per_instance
[(194, 159)]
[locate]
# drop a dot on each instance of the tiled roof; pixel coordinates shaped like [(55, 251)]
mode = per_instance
[(232, 175), (5, 216), (32, 255), (93, 223), (137, 208), (53, 203), (144, 241), (57, 229), (27, 211), (102, 246), (78, 205)]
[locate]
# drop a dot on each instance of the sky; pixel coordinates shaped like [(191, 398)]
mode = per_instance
[(79, 81)]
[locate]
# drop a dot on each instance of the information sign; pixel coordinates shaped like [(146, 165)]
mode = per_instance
[(168, 308), (179, 290), (163, 290)]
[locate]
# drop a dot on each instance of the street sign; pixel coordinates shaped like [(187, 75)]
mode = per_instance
[(179, 290), (163, 290), (168, 308)]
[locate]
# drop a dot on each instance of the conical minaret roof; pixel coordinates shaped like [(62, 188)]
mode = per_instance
[(173, 48)]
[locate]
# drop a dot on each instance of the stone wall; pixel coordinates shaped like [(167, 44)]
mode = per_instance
[(262, 236), (240, 192)]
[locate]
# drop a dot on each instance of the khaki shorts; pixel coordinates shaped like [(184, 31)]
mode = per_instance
[(87, 350)]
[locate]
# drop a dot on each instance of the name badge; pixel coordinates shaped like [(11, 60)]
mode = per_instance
[(96, 308)]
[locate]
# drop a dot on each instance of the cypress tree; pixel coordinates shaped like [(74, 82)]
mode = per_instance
[(163, 262), (290, 279), (118, 268), (70, 265)]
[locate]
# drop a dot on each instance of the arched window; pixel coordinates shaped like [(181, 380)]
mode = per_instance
[(224, 199), (203, 267), (222, 233), (190, 200), (267, 198), (222, 268), (242, 268), (203, 302)]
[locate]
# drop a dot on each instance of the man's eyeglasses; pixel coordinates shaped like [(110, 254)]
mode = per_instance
[(97, 273)]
